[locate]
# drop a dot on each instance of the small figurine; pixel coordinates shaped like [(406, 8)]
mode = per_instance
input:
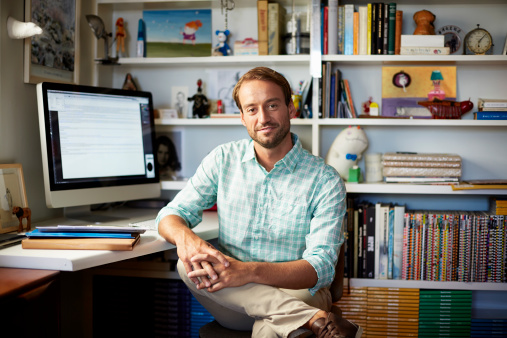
[(23, 213), (200, 107), (424, 21), (121, 34), (347, 149), (129, 83), (222, 48), (190, 30)]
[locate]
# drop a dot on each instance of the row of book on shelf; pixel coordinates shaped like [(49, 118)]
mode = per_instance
[(413, 312), (491, 109), (386, 241), (335, 97), (372, 29)]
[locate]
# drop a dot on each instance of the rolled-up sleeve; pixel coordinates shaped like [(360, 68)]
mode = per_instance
[(199, 194), (326, 230)]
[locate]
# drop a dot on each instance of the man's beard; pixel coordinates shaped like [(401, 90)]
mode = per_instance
[(274, 141)]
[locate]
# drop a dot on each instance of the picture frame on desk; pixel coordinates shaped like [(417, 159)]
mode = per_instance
[(12, 194), (45, 57)]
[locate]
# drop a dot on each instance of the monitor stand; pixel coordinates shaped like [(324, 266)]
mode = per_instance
[(84, 213)]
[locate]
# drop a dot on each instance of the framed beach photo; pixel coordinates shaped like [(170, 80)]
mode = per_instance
[(53, 55), (12, 194)]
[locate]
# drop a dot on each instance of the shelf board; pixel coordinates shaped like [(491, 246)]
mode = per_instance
[(391, 283), (216, 60), (343, 122), (216, 122), (418, 189), (387, 59)]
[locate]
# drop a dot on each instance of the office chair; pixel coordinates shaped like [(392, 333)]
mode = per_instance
[(215, 330)]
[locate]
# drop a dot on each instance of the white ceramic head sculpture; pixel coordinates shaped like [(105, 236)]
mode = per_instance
[(347, 149)]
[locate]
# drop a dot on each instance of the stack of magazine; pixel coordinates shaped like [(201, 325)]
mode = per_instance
[(421, 168), (83, 237)]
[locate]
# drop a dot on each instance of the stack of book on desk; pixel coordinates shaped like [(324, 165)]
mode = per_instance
[(421, 168), (491, 109), (83, 237)]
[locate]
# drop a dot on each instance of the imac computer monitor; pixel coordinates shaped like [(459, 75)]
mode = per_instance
[(98, 146)]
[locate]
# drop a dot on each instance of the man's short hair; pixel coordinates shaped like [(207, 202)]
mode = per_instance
[(263, 74)]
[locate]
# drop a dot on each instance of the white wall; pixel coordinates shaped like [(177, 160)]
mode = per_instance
[(19, 127)]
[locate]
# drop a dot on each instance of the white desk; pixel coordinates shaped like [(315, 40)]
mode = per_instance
[(74, 260)]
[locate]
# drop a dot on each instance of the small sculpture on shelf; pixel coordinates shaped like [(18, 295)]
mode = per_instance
[(424, 20), (121, 35), (222, 48), (23, 213), (347, 149), (201, 106)]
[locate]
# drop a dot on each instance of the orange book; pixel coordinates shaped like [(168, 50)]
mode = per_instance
[(398, 31), (356, 34), (349, 98), (262, 26)]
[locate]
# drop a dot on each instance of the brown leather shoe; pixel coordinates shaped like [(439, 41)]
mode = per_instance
[(336, 327)]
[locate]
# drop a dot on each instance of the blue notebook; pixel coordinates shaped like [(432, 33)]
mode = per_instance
[(39, 234)]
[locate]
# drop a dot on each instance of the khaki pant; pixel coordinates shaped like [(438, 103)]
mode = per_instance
[(266, 310)]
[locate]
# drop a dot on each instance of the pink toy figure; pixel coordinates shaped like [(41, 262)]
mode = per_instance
[(190, 30), (121, 34)]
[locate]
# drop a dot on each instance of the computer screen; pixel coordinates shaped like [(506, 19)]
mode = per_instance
[(98, 146)]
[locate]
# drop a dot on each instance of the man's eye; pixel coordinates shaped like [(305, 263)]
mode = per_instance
[(273, 106)]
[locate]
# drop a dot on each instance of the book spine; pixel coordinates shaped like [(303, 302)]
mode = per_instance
[(490, 115), (333, 27), (422, 40), (380, 27), (428, 172), (399, 215), (325, 32), (377, 239), (370, 246), (374, 23), (276, 19), (425, 50), (385, 33), (398, 30), (341, 29), (390, 244), (392, 28), (349, 29), (368, 29), (349, 98), (384, 242), (363, 32), (355, 49), (421, 164), (262, 26)]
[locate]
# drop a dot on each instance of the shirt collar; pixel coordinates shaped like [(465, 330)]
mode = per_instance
[(290, 159)]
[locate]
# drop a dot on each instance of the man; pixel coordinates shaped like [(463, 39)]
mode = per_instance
[(280, 215)]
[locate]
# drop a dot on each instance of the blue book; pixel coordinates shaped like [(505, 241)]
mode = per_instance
[(39, 234), (349, 30), (491, 115)]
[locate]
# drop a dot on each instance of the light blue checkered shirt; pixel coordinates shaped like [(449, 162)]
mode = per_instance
[(293, 212)]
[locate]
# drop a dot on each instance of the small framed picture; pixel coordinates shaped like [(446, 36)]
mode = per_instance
[(12, 194), (168, 154), (179, 100)]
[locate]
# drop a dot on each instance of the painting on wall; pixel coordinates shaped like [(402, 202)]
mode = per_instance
[(52, 55), (178, 33), (403, 87)]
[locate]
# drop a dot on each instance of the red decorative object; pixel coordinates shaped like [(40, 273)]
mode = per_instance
[(446, 109)]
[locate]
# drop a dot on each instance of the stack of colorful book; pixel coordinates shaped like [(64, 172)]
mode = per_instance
[(491, 109), (353, 304), (445, 313), (402, 167), (392, 312), (490, 328)]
